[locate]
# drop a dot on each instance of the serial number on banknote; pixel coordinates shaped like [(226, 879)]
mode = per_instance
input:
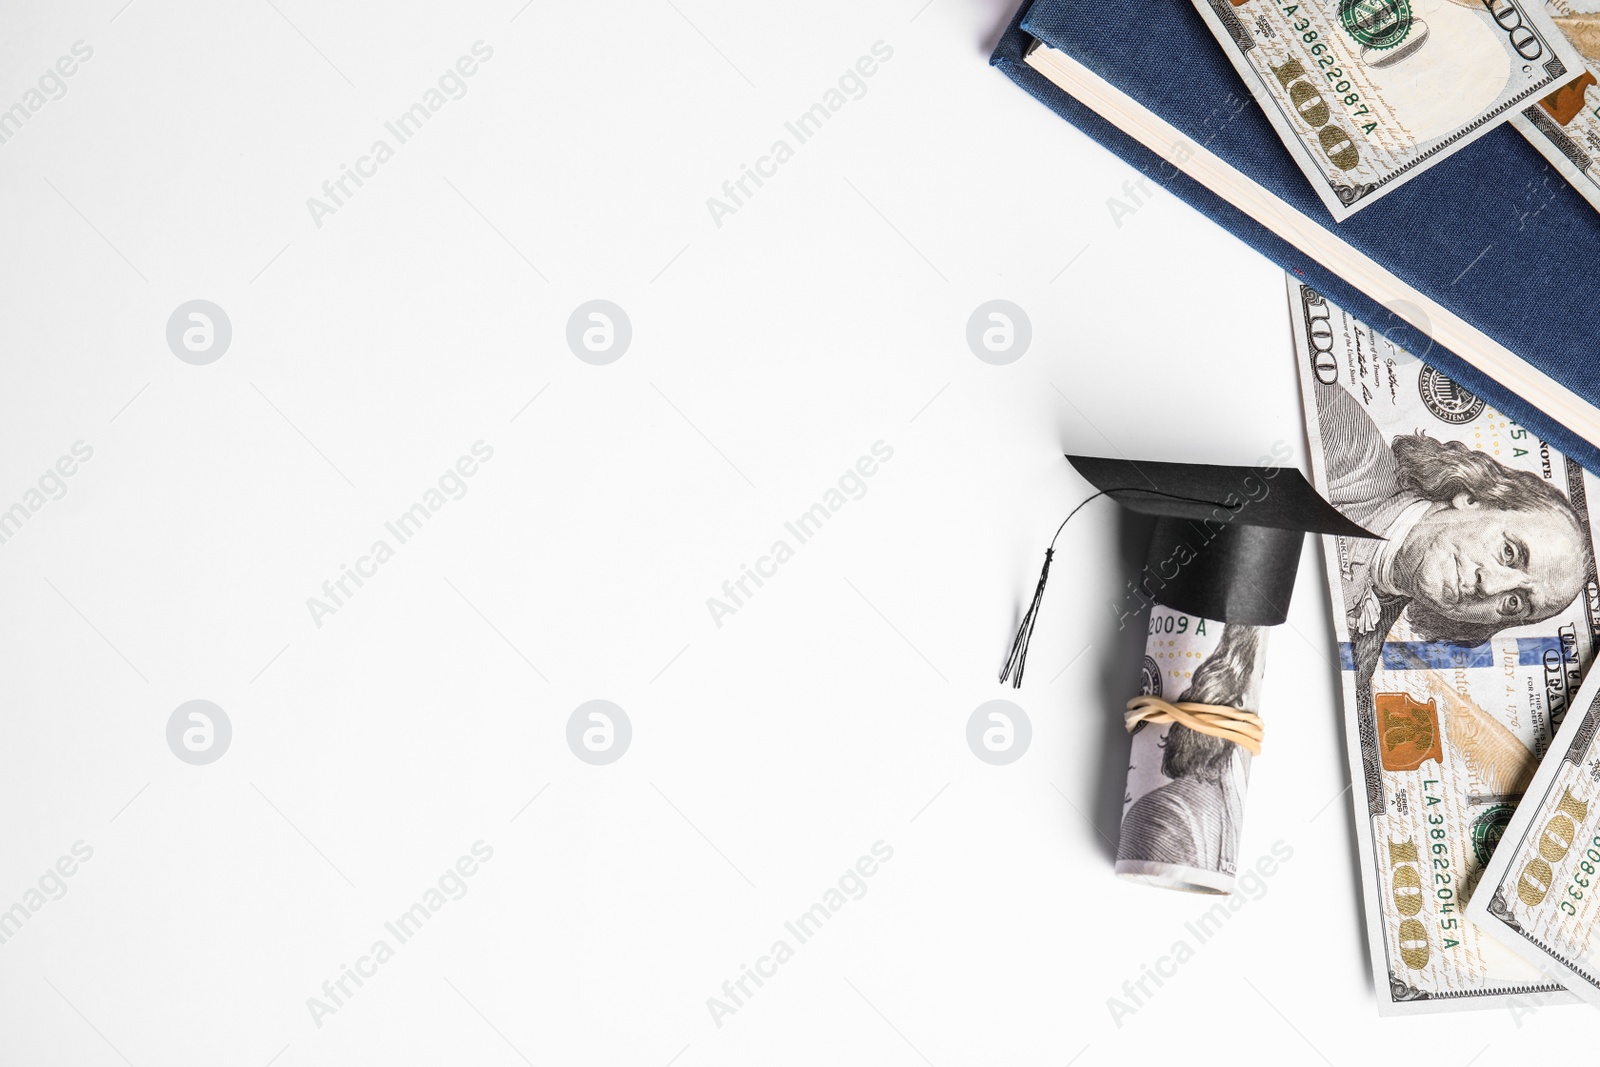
[(1289, 74), (1408, 884), (1582, 876)]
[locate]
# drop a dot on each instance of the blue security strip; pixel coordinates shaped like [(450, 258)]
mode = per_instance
[(1531, 651), (1440, 655)]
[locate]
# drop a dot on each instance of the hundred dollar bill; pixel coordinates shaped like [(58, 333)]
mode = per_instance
[(1540, 893), (1184, 806), (1462, 639), (1565, 126), (1367, 94)]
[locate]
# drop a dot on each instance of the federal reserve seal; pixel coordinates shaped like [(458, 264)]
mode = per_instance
[(1446, 400), (1487, 829), (1149, 678)]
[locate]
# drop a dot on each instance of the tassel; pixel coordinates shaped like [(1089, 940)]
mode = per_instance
[(1019, 647)]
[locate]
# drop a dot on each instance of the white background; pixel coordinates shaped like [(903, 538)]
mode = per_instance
[(827, 713)]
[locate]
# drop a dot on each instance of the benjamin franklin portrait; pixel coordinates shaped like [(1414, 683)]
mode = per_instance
[(1473, 547)]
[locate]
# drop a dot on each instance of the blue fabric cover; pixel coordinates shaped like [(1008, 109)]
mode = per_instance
[(1493, 233)]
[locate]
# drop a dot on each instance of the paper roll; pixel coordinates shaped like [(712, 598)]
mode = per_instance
[(1184, 806)]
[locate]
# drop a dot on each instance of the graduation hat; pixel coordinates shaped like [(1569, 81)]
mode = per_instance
[(1226, 544)]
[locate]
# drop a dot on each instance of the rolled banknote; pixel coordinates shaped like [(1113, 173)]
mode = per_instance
[(1184, 806), (1565, 125), (1220, 569), (1367, 94), (1462, 639), (1540, 893)]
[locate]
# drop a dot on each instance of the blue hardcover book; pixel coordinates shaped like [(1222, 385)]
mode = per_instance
[(1487, 265)]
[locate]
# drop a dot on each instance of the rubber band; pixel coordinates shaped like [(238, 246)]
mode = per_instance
[(1241, 727)]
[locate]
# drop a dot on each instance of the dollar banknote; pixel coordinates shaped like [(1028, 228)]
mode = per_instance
[(1462, 640), (1184, 805), (1367, 94), (1540, 894), (1565, 126)]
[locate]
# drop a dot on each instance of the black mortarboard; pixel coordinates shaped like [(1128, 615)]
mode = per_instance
[(1239, 529), (1226, 543)]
